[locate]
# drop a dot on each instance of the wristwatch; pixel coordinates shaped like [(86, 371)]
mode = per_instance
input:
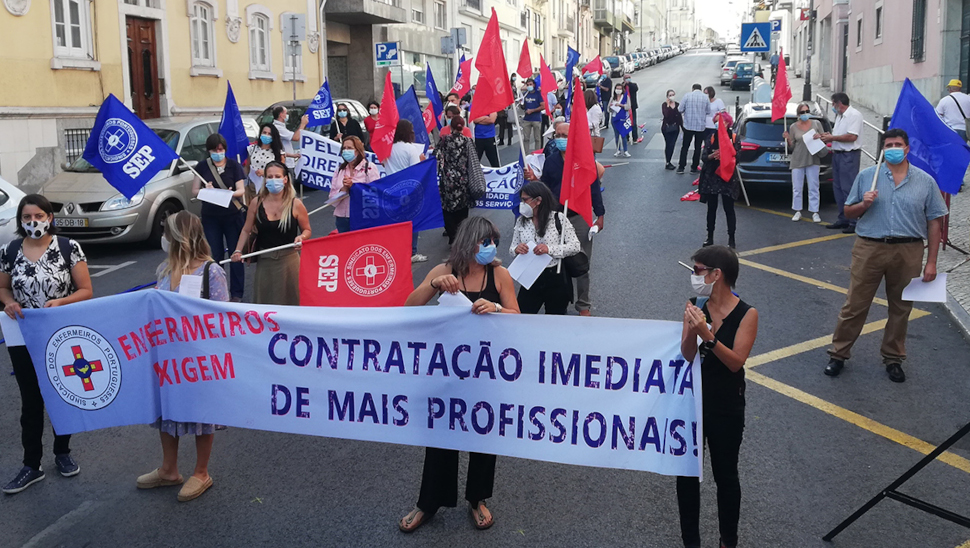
[(498, 307)]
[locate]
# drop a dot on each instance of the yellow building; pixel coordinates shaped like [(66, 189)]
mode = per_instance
[(161, 57)]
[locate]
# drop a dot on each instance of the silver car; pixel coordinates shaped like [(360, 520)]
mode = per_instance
[(10, 197), (90, 210)]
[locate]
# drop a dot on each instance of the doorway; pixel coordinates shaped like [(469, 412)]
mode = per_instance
[(143, 67)]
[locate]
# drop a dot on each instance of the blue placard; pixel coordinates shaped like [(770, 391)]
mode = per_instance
[(755, 37), (775, 25), (386, 54)]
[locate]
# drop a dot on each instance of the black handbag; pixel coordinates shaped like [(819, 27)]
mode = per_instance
[(575, 265)]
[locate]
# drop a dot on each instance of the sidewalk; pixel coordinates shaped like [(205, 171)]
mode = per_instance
[(958, 281)]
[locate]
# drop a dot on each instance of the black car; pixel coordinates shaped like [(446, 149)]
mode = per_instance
[(296, 109), (762, 159)]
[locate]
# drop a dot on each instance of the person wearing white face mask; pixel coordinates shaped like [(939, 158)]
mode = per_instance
[(370, 123), (723, 330), (355, 168), (39, 270), (804, 165), (672, 122), (280, 218)]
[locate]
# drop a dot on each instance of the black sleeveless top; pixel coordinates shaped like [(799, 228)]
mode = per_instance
[(270, 234), (723, 390), (488, 291)]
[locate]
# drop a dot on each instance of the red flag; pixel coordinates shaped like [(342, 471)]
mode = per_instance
[(593, 66), (779, 102), (525, 61), (493, 91), (383, 136), (579, 171), (369, 267), (463, 82), (728, 161), (548, 83), (429, 122)]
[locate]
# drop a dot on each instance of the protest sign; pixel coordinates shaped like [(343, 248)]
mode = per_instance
[(602, 392), (321, 158), (501, 187)]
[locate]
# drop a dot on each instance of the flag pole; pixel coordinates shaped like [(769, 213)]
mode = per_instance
[(875, 176), (743, 191), (261, 252), (562, 235), (518, 126), (192, 169), (325, 206)]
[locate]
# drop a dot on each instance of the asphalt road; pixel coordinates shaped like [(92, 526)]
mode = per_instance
[(815, 448)]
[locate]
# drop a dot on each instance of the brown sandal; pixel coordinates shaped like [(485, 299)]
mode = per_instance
[(411, 522), (478, 517)]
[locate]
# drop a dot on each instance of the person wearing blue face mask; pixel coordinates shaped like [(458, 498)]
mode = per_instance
[(223, 224), (344, 125), (354, 169), (904, 209), (804, 165), (267, 148)]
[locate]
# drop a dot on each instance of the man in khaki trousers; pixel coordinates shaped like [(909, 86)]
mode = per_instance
[(905, 209)]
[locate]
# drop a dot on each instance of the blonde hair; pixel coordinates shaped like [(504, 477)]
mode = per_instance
[(288, 194), (187, 245)]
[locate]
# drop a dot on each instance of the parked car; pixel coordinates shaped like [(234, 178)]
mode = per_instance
[(90, 210), (628, 65), (10, 197), (590, 79), (718, 46), (744, 73), (616, 66), (296, 109), (727, 70), (762, 159)]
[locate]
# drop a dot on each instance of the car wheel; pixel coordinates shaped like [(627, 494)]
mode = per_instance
[(158, 223)]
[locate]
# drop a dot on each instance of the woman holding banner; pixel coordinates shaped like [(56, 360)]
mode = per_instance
[(724, 348), (280, 219), (491, 290), (188, 255), (355, 168), (404, 154), (453, 153), (39, 270), (541, 223)]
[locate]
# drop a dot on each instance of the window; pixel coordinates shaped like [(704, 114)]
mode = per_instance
[(201, 29), (72, 28), (417, 11), (918, 45), (879, 12), (440, 15), (469, 38), (260, 23), (288, 53), (858, 33)]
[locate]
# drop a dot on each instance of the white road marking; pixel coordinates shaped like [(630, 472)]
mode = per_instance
[(106, 269)]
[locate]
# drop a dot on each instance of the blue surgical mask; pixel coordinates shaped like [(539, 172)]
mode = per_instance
[(266, 139), (217, 156), (561, 143), (531, 88), (803, 117), (486, 254), (895, 155), (348, 155), (275, 186), (342, 113)]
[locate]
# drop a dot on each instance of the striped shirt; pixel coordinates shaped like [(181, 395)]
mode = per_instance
[(694, 107), (899, 211)]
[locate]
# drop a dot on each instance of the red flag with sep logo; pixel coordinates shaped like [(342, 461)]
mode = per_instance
[(782, 92), (383, 137), (369, 267), (463, 83), (547, 83), (493, 91), (593, 66), (579, 172), (429, 122)]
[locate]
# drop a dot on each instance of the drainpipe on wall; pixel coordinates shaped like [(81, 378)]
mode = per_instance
[(322, 48)]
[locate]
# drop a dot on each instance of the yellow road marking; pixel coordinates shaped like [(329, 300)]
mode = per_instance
[(805, 279), (965, 545), (782, 214), (865, 423), (795, 349), (793, 244)]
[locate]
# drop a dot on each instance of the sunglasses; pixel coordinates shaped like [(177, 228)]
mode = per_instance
[(697, 270), (802, 112), (489, 241)]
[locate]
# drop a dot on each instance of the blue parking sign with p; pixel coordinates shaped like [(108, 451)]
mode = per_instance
[(386, 54)]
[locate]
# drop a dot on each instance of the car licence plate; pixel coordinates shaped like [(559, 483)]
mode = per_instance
[(70, 223), (780, 158)]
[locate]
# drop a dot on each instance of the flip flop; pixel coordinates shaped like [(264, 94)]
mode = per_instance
[(152, 480), (478, 518), (411, 522), (194, 488)]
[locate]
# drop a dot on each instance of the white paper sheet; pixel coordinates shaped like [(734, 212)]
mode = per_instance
[(256, 180), (454, 299), (526, 268), (932, 292), (191, 286), (337, 198), (11, 331), (814, 145), (218, 196)]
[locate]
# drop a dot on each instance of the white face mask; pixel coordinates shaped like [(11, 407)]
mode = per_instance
[(36, 229), (701, 288), (165, 244), (525, 210)]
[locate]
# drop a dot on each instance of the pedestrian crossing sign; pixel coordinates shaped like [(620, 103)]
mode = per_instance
[(755, 37)]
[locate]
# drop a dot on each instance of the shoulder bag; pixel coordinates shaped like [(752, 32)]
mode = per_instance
[(965, 119), (476, 177), (218, 180), (576, 265)]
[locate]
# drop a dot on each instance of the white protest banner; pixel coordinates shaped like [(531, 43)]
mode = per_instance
[(603, 392), (320, 159), (501, 185)]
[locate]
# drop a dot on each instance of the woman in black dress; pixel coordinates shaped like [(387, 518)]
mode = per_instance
[(490, 288), (724, 348), (345, 126), (712, 185)]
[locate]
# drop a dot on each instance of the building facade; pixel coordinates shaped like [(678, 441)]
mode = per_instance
[(681, 22), (650, 31)]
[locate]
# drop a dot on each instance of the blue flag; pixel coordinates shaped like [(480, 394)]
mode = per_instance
[(409, 195), (572, 58), (124, 149), (621, 120), (933, 146), (431, 90), (232, 129), (320, 111), (409, 109)]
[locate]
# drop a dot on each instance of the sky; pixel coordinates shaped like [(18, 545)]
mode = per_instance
[(724, 16)]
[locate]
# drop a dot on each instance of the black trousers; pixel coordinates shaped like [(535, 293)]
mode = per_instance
[(487, 145), (635, 134), (439, 481), (670, 138), (452, 220), (728, 205), (698, 137), (504, 127), (32, 410), (550, 289), (723, 434)]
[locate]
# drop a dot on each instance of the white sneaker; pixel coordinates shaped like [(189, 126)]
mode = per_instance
[(626, 154), (616, 154), (816, 218), (797, 216), (418, 258)]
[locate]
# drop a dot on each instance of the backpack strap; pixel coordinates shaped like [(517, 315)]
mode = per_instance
[(205, 279), (64, 244), (10, 255), (217, 177), (958, 105)]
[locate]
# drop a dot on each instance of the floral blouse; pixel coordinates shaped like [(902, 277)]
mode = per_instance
[(452, 154), (524, 232), (35, 283)]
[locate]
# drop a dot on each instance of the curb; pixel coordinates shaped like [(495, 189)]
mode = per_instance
[(960, 315)]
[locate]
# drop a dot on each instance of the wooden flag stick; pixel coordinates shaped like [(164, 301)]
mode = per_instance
[(518, 126)]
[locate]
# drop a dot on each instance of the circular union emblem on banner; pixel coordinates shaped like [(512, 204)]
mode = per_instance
[(403, 201), (117, 140), (83, 367), (370, 270)]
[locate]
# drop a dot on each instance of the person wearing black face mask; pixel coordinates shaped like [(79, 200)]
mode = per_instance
[(345, 126), (723, 330)]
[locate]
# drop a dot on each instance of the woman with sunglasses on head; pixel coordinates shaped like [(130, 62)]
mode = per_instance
[(344, 126), (722, 328), (804, 165), (541, 223), (469, 269)]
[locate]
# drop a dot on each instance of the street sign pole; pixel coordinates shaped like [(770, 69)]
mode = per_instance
[(807, 90)]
